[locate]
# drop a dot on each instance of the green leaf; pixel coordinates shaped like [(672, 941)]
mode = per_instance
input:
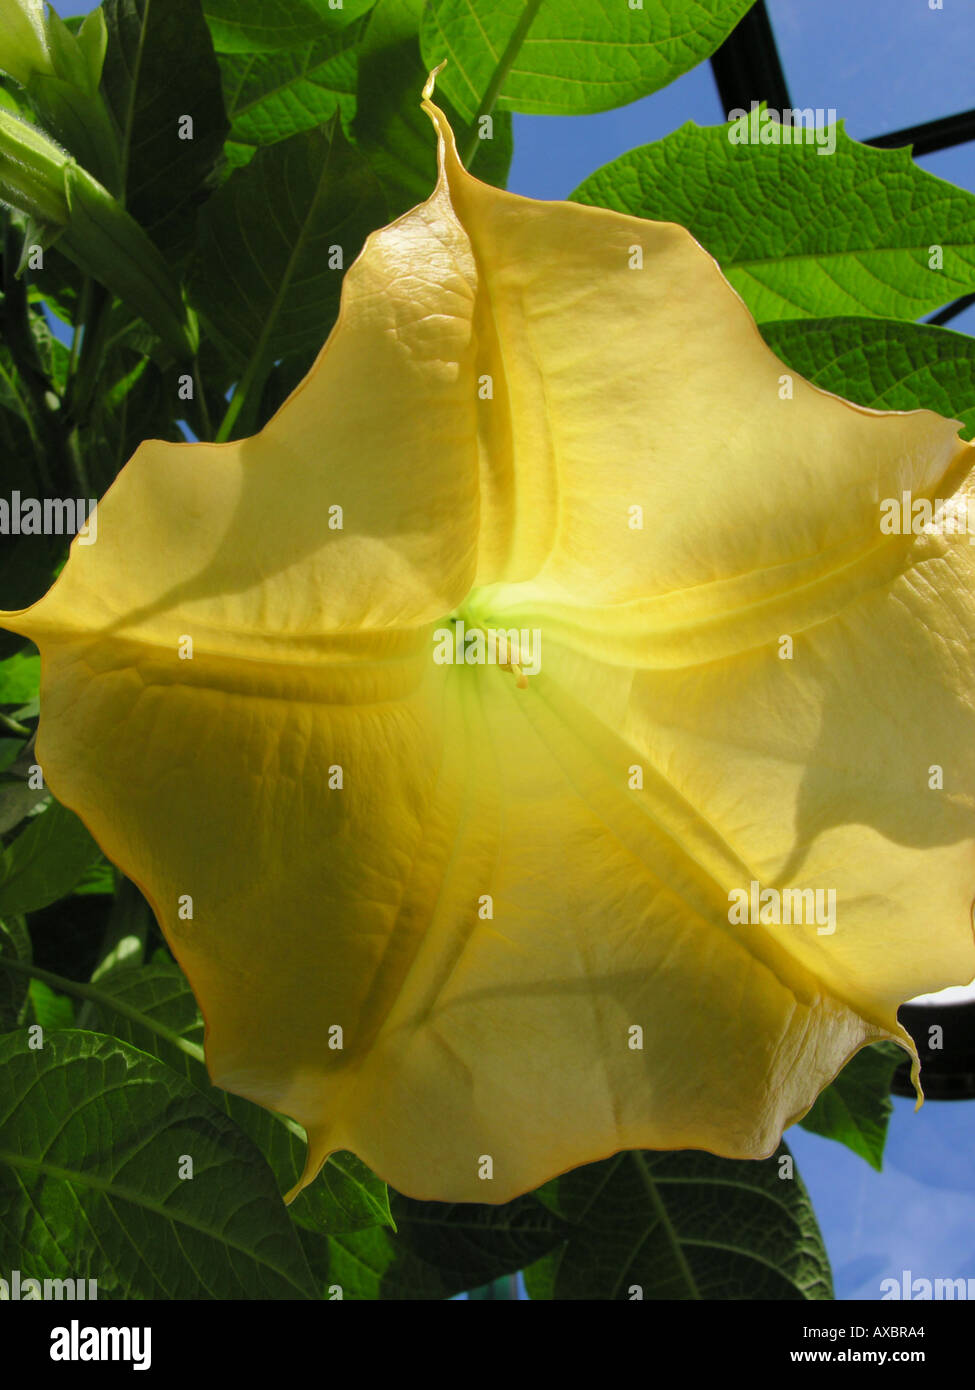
[(440, 1249), (267, 26), (271, 96), (261, 275), (568, 57), (107, 243), (27, 565), (159, 1010), (53, 355), (390, 125), (60, 285), (683, 1225), (882, 363), (29, 466), (69, 109), (100, 878), (92, 36), (50, 1010), (14, 944), (45, 861), (136, 403), (16, 435), (855, 1109), (346, 1196), (160, 69), (26, 561), (20, 791), (799, 234), (9, 752), (473, 1243), (92, 1135), (20, 677)]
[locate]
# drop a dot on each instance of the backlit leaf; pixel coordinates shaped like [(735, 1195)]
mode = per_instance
[(568, 57), (268, 26), (273, 95), (799, 233), (882, 363), (855, 1109)]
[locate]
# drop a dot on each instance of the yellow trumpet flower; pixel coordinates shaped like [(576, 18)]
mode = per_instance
[(482, 929)]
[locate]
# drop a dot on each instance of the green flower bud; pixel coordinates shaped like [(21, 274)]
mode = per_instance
[(32, 170), (23, 45), (39, 178)]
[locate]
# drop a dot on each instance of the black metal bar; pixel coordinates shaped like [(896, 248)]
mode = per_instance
[(746, 67), (931, 136), (952, 310), (947, 1067)]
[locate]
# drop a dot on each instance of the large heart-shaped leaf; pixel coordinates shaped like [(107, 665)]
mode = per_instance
[(268, 26), (45, 861), (114, 1168), (153, 1007), (798, 233), (683, 1226), (440, 1249), (882, 363), (270, 96), (275, 240), (567, 57), (169, 112)]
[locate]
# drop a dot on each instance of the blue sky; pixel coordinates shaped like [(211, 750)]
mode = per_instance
[(882, 64)]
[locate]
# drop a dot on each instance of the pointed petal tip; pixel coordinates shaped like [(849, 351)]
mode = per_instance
[(448, 158), (916, 1079), (431, 81), (12, 621), (317, 1154)]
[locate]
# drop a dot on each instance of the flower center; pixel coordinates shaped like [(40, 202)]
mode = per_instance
[(469, 640)]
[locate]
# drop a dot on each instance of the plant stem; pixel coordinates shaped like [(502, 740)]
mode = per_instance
[(124, 939), (84, 303), (81, 384), (78, 470), (108, 1001), (202, 398), (505, 64), (23, 349), (10, 726), (253, 378)]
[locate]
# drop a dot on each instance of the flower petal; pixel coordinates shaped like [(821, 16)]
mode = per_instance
[(238, 544)]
